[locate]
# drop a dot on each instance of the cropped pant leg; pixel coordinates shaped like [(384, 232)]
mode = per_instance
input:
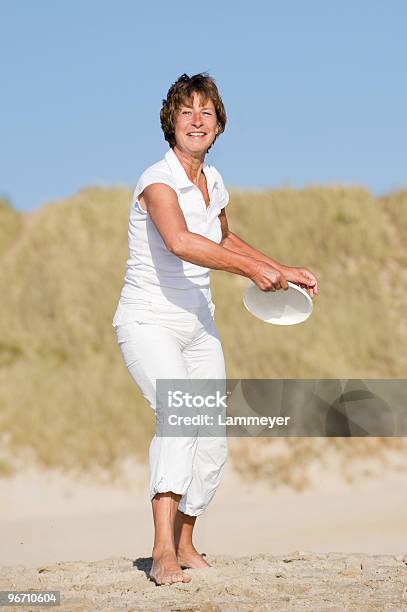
[(204, 359), (177, 346)]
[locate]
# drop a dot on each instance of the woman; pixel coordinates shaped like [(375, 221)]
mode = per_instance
[(164, 323)]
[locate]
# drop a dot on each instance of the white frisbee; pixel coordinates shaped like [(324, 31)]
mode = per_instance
[(279, 307)]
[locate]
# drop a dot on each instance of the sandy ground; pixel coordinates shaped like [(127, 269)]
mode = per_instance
[(295, 581), (335, 546)]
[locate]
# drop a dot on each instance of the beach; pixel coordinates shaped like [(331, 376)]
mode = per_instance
[(331, 546)]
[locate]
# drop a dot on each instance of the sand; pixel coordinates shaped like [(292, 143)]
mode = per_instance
[(295, 581), (334, 546)]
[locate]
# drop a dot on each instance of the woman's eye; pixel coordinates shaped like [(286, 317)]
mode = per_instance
[(187, 112)]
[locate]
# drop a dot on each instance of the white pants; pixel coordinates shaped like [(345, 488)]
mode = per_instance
[(164, 342)]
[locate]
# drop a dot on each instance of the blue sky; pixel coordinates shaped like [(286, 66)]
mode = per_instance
[(315, 92)]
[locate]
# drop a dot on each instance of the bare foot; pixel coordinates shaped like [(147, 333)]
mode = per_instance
[(166, 569), (190, 558)]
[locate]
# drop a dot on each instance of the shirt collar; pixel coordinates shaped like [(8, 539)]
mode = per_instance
[(181, 179)]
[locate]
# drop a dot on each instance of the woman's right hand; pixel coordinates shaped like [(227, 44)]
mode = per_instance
[(268, 278)]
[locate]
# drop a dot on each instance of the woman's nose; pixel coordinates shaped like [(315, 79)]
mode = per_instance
[(197, 120)]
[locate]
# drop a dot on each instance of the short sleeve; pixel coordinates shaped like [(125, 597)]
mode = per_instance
[(152, 176), (223, 194)]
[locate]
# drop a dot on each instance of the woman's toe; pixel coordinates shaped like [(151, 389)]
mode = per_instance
[(177, 577)]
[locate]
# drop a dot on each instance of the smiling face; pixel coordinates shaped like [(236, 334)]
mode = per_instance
[(196, 125)]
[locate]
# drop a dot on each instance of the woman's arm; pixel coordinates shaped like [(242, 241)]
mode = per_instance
[(301, 276), (164, 209)]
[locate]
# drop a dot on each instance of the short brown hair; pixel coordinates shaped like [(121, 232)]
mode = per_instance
[(181, 92)]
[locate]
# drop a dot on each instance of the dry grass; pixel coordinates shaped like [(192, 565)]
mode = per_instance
[(64, 391), (10, 225)]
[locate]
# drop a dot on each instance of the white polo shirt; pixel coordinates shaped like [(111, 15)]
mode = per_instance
[(155, 274)]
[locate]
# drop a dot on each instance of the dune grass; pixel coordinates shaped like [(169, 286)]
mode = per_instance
[(64, 390), (10, 225)]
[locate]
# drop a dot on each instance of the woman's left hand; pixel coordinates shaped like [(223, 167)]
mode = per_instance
[(302, 277)]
